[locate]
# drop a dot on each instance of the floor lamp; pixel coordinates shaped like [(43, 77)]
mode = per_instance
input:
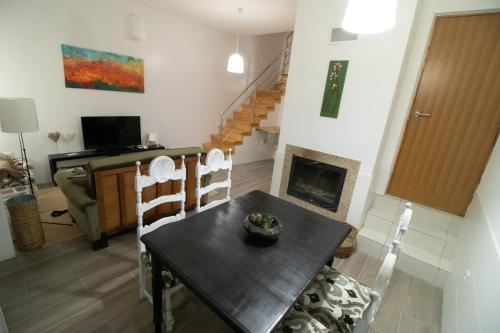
[(18, 115)]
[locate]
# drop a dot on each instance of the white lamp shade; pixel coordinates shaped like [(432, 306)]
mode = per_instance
[(236, 64), (134, 28), (18, 115), (369, 16)]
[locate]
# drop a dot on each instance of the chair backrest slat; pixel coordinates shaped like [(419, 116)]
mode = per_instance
[(161, 170), (214, 162)]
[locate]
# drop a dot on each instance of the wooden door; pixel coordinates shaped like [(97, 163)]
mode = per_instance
[(447, 144)]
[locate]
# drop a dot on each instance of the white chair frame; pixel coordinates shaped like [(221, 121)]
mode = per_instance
[(161, 170), (385, 273), (214, 162)]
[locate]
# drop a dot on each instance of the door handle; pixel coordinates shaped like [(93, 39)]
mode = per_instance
[(418, 114)]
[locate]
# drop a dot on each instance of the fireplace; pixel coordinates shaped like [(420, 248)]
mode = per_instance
[(321, 182), (315, 182)]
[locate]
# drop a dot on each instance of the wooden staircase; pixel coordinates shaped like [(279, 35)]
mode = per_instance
[(242, 121)]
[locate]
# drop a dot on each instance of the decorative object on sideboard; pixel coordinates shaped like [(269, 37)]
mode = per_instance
[(18, 115), (55, 136), (335, 79), (153, 138), (235, 63), (92, 69), (67, 137)]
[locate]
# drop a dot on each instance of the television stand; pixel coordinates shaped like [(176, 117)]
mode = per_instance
[(81, 158)]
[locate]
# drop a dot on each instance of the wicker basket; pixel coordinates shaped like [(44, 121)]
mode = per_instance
[(26, 222), (347, 247)]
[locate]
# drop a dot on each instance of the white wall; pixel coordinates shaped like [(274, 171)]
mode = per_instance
[(427, 9), (259, 146), (471, 301), (186, 83), (374, 66)]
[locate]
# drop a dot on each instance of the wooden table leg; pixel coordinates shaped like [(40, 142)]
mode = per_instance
[(157, 295), (330, 262)]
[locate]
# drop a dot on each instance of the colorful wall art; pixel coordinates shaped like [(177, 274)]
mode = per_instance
[(91, 69), (333, 89)]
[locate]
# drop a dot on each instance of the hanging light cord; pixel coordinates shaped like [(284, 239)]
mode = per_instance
[(240, 11)]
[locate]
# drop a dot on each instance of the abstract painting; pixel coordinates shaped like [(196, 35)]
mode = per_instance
[(91, 69), (333, 90)]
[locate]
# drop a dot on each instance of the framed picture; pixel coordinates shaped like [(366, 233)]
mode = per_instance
[(335, 79), (92, 69)]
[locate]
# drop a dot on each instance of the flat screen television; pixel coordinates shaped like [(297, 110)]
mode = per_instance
[(111, 132)]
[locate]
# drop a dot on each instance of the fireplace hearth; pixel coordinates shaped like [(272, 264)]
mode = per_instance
[(316, 182)]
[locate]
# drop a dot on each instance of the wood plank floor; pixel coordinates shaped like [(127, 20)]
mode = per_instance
[(70, 288)]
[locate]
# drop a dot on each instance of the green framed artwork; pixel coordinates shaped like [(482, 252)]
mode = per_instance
[(333, 88)]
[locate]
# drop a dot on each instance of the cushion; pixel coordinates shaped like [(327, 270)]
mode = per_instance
[(76, 194), (81, 176), (335, 300), (299, 321), (80, 180)]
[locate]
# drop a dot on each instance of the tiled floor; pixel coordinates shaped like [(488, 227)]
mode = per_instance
[(429, 245), (409, 305), (68, 287)]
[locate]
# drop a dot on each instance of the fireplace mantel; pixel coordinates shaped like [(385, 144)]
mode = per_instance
[(352, 167)]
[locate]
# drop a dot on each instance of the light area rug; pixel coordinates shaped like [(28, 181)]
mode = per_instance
[(50, 198)]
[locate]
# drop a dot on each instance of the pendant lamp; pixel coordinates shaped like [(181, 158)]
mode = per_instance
[(235, 63), (369, 16), (134, 26)]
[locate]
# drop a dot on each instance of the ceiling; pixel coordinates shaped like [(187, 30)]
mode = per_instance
[(259, 16)]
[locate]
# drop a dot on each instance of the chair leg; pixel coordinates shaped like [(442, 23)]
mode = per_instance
[(168, 317), (142, 279)]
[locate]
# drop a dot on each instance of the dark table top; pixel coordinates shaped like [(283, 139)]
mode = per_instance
[(251, 286)]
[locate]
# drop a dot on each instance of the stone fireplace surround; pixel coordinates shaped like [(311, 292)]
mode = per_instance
[(352, 167)]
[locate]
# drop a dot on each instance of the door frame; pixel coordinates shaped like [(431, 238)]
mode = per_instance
[(423, 62)]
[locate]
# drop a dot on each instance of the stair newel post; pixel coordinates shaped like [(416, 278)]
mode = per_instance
[(183, 186), (230, 160), (198, 184), (255, 103), (220, 130)]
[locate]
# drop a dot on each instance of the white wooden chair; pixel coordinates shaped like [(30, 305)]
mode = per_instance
[(161, 170), (384, 275), (340, 302), (214, 162)]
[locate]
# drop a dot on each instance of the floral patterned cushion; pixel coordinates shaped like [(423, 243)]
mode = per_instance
[(299, 321), (335, 300), (168, 278)]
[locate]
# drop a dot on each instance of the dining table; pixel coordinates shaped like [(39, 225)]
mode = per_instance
[(248, 283)]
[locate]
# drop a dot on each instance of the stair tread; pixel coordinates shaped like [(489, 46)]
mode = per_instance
[(226, 139), (242, 121)]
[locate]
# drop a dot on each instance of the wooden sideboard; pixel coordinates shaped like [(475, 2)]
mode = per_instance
[(116, 202)]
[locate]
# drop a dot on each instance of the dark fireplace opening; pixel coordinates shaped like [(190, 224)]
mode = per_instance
[(315, 182)]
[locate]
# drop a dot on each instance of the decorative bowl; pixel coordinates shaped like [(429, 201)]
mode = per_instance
[(263, 225)]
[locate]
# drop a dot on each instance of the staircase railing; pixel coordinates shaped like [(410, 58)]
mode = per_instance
[(266, 78)]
